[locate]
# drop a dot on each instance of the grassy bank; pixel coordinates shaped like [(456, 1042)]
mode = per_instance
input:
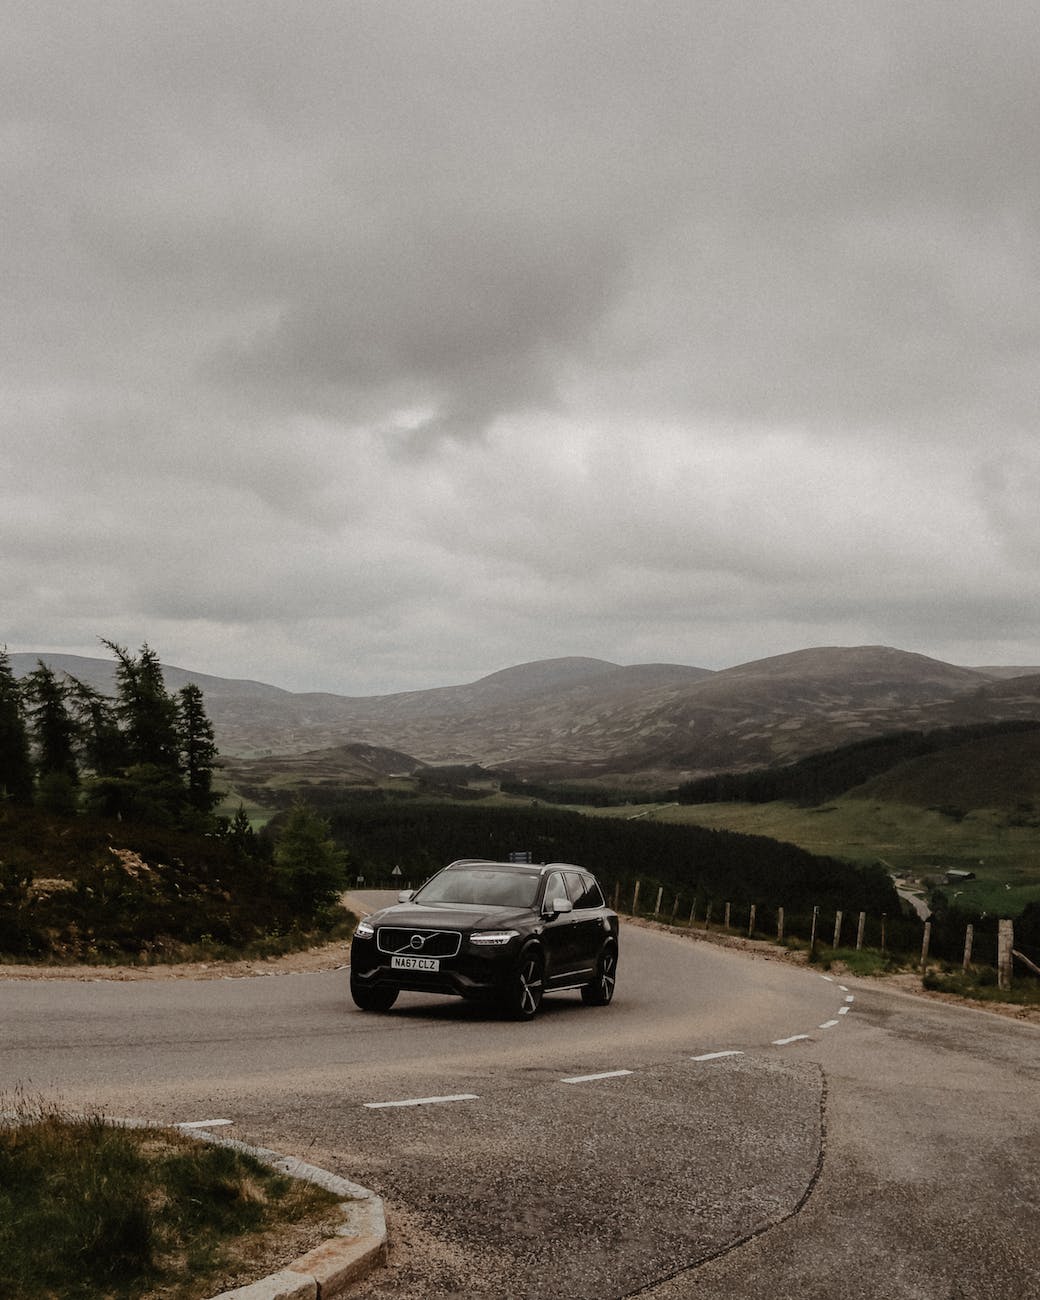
[(89, 1210)]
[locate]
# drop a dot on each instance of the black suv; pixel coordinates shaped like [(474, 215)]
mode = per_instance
[(490, 931)]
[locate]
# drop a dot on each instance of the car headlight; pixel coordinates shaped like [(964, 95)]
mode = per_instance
[(365, 930), (492, 938)]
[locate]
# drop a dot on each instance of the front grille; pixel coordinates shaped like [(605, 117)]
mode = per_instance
[(417, 942)]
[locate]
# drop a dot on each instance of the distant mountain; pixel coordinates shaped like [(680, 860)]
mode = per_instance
[(582, 717)]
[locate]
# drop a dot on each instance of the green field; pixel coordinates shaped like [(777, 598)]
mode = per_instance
[(916, 843)]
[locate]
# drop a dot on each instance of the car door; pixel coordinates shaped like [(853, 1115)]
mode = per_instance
[(587, 932), (557, 933)]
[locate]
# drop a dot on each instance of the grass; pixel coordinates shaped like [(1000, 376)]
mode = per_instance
[(981, 985), (918, 843), (91, 1210)]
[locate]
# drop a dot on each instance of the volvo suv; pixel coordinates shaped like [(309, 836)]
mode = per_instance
[(495, 932)]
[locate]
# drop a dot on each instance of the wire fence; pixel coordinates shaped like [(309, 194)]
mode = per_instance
[(908, 940), (988, 946)]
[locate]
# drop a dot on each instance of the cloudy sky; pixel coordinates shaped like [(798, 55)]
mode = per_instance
[(371, 345)]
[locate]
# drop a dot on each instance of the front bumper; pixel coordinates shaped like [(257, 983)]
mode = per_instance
[(478, 978)]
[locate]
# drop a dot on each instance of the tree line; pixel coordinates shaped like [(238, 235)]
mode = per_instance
[(717, 864), (829, 773), (145, 755)]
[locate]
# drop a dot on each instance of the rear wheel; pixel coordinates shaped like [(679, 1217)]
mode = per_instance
[(372, 997), (601, 990), (524, 995)]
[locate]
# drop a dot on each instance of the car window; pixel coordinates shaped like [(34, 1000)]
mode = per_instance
[(584, 891), (555, 887), (480, 885)]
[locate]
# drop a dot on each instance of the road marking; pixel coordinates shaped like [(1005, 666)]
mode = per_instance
[(828, 978), (844, 988), (588, 1078), (795, 1038), (850, 998), (844, 1011), (715, 1056), (829, 1024), (204, 1123), (421, 1101)]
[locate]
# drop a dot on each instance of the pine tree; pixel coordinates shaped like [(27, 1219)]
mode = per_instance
[(53, 727), (198, 752), (145, 708), (55, 733), (104, 750), (16, 774), (310, 869)]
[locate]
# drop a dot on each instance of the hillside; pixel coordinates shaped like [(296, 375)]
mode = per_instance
[(575, 718), (999, 772)]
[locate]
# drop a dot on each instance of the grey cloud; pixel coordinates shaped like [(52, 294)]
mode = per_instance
[(462, 331)]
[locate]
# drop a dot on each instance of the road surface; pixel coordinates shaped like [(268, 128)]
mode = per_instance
[(730, 1126)]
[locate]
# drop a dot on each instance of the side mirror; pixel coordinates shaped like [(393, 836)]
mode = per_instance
[(405, 895), (559, 906)]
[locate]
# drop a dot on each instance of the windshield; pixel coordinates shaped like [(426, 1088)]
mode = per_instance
[(480, 885)]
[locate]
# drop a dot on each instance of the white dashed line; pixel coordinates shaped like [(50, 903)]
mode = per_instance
[(844, 1011), (828, 978), (421, 1101), (850, 998), (204, 1123), (589, 1078), (843, 988), (795, 1038), (715, 1056), (829, 1024)]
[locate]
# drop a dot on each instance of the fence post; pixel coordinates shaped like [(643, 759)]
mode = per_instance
[(837, 929), (859, 930), (884, 916), (657, 905), (675, 908), (725, 921), (707, 917), (635, 899), (1005, 944), (812, 937), (925, 943), (751, 921), (969, 939), (779, 925), (693, 909)]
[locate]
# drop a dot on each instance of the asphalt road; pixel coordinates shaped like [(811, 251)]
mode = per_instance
[(851, 1143)]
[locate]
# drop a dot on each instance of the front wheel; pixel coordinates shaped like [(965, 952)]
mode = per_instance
[(372, 997), (601, 990), (524, 994)]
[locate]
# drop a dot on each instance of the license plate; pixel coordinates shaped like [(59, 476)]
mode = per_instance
[(415, 963)]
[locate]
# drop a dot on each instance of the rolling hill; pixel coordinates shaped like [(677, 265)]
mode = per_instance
[(581, 718)]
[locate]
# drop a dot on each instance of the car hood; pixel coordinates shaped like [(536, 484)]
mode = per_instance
[(451, 916)]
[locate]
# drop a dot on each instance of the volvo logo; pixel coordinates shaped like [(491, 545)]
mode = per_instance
[(417, 940)]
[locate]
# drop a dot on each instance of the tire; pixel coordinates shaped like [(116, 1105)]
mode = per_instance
[(527, 984), (373, 998), (600, 992)]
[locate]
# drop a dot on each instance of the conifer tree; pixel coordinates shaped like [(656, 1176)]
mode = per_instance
[(55, 733), (309, 867), (145, 708), (16, 775), (198, 752), (54, 729), (104, 750)]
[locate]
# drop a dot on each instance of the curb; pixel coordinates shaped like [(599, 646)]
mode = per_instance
[(357, 1247)]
